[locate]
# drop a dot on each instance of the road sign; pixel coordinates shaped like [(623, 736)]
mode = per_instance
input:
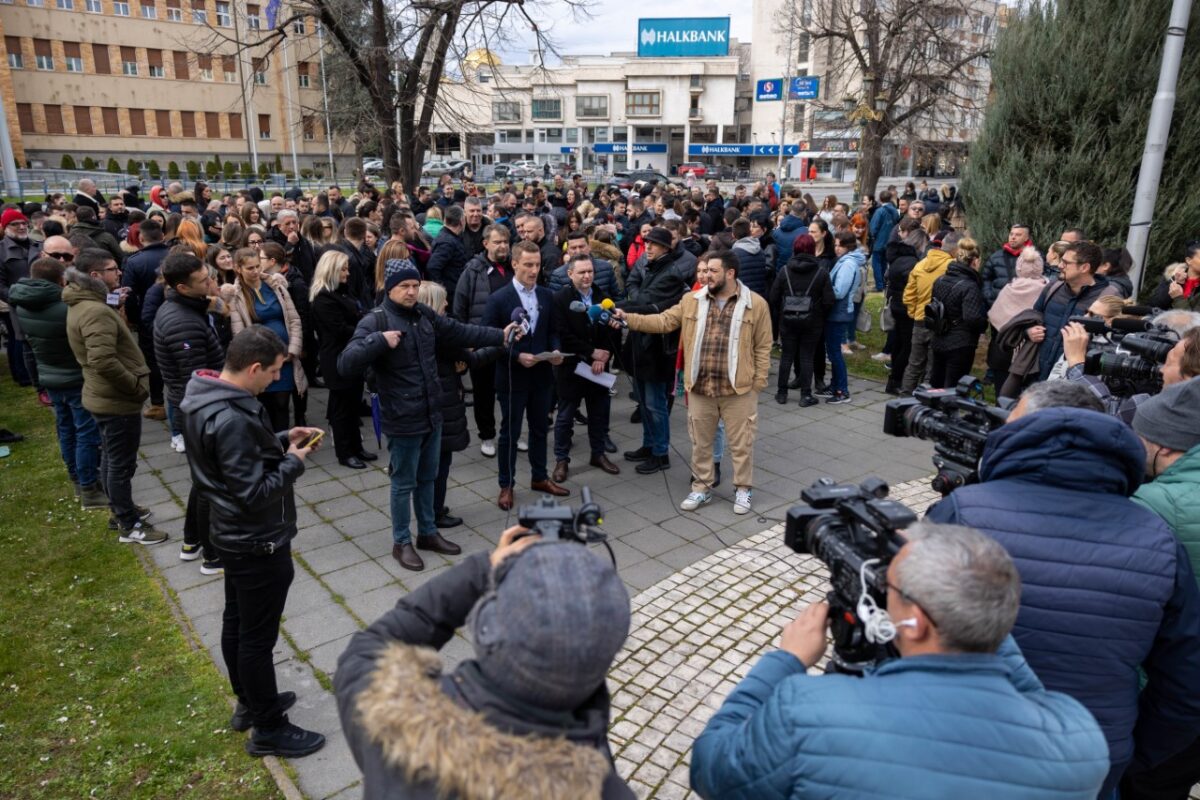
[(620, 148), (687, 37), (807, 87), (768, 90), (789, 150)]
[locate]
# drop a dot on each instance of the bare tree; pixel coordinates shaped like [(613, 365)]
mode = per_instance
[(921, 61)]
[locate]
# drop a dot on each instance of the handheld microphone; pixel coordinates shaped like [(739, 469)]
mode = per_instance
[(577, 305), (520, 316), (598, 315), (607, 304)]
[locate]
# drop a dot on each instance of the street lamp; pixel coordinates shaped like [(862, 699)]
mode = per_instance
[(862, 111)]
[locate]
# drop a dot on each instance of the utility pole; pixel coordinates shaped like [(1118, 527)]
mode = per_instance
[(325, 100), (786, 89), (1157, 133), (291, 125), (8, 163)]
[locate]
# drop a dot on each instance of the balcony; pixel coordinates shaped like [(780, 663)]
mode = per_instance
[(695, 114), (696, 86)]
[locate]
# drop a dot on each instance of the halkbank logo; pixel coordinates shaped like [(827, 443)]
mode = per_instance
[(683, 37)]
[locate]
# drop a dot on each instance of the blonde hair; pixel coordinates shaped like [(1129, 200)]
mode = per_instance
[(1172, 270), (932, 225), (432, 294), (433, 212), (967, 250), (326, 275), (1113, 305), (392, 248)]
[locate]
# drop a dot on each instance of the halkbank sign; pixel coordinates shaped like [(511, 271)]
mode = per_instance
[(683, 37)]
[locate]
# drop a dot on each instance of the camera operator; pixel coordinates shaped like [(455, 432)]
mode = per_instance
[(1182, 363), (1107, 588), (953, 595), (527, 716)]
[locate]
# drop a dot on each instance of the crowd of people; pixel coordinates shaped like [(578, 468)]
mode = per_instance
[(219, 315)]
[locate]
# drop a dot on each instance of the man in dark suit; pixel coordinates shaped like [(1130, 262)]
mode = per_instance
[(524, 386), (584, 343)]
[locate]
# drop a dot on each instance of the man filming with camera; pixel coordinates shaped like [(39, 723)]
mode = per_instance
[(1108, 590), (959, 714), (527, 716)]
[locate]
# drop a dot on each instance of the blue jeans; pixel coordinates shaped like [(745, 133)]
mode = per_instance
[(835, 336), (78, 435), (173, 419), (414, 462), (879, 267), (656, 420)]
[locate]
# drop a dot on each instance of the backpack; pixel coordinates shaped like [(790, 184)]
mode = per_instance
[(369, 375), (935, 317), (798, 308)]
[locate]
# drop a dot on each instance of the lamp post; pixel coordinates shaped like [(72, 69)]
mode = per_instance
[(861, 111)]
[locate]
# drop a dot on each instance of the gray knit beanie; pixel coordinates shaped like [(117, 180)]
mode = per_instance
[(1172, 417)]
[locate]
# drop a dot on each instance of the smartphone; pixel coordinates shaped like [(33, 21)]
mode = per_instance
[(312, 440)]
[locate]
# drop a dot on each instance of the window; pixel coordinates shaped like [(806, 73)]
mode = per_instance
[(181, 66), (802, 50), (642, 104), (199, 13), (229, 69), (591, 106), (162, 122), (302, 74), (553, 135), (506, 112), (42, 55), (546, 109), (174, 11), (25, 117), (93, 6), (100, 57), (83, 120), (602, 135), (224, 17), (264, 126), (798, 118), (204, 66), (121, 8), (235, 126), (74, 56), (154, 60), (112, 121), (309, 127), (572, 135), (260, 72), (36, 3), (212, 124), (54, 119), (129, 65), (253, 20), (149, 11), (508, 136), (64, 5), (16, 60), (137, 121), (299, 26), (188, 120)]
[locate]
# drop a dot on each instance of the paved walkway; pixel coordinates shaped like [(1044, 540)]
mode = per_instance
[(345, 576)]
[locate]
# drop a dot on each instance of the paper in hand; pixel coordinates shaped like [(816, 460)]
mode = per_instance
[(605, 379)]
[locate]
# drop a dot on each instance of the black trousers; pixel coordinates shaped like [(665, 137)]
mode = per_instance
[(818, 356), (1171, 780), (195, 524), (572, 390), (276, 404), (950, 365), (483, 394), (146, 345), (120, 437), (344, 421), (256, 590), (514, 408), (901, 347), (799, 348), (441, 482)]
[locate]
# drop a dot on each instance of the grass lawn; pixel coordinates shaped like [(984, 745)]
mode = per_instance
[(100, 693)]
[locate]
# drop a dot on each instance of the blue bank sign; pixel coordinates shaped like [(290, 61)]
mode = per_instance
[(801, 88), (621, 148), (683, 37), (789, 150)]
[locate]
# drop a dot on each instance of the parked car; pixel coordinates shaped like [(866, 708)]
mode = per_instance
[(435, 169), (457, 166), (695, 167), (372, 166), (626, 180)]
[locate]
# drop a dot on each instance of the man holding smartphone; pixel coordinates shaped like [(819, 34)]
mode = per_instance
[(246, 471)]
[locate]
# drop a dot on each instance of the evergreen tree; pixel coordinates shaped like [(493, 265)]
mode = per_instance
[(131, 167), (68, 162), (154, 170), (1062, 140), (89, 163), (172, 170), (113, 166)]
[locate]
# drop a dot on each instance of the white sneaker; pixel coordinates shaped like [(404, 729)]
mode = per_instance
[(189, 552), (177, 443), (695, 500), (522, 446), (741, 501), (488, 447), (880, 357)]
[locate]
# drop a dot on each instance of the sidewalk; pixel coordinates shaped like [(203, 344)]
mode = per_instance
[(346, 578)]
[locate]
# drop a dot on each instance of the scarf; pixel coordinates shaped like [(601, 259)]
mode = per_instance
[(1018, 250)]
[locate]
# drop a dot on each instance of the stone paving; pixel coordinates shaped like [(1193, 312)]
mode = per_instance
[(346, 578)]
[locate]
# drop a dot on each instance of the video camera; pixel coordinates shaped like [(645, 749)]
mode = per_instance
[(853, 530), (958, 423), (1131, 361), (558, 522)]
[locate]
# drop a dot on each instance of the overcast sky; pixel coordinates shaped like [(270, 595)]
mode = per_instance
[(613, 25)]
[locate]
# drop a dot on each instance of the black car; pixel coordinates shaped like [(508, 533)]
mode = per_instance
[(626, 180)]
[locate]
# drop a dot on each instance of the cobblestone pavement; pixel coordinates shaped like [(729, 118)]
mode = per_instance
[(346, 578)]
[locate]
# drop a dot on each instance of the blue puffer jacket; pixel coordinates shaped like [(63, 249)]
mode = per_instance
[(846, 277), (1106, 586), (790, 228), (937, 726)]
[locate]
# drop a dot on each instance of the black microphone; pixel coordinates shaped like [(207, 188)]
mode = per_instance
[(1140, 311), (1131, 325), (521, 316)]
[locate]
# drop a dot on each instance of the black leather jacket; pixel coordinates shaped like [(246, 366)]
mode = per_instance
[(240, 466)]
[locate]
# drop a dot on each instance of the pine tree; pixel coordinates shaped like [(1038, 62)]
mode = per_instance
[(1062, 139), (68, 162)]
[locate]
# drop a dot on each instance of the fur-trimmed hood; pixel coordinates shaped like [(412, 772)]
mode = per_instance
[(433, 746)]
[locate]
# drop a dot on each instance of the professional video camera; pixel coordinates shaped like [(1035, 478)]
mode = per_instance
[(558, 522), (853, 531), (958, 423), (1130, 361)]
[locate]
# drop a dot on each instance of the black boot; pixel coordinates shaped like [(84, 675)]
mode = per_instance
[(653, 464), (288, 741), (641, 454)]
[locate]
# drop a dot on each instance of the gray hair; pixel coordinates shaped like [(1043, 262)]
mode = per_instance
[(454, 216), (965, 581), (1178, 319), (284, 213), (950, 242), (1060, 394), (472, 201)]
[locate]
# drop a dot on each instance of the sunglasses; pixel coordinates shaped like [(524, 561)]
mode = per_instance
[(67, 257)]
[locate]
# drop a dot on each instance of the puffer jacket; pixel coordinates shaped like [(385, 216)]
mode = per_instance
[(653, 289), (752, 264), (116, 380), (420, 734), (139, 273), (240, 466), (605, 280), (935, 726), (474, 288), (1175, 496), (847, 280), (901, 259), (790, 228), (101, 238), (447, 259), (920, 282), (42, 313), (961, 295), (1057, 305), (185, 340), (1106, 588), (998, 270)]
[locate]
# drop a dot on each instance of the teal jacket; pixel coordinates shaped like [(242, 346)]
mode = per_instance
[(1175, 496), (42, 313)]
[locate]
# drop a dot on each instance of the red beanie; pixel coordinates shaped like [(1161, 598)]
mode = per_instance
[(10, 216)]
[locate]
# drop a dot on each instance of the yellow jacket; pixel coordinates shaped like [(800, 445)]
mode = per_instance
[(919, 289)]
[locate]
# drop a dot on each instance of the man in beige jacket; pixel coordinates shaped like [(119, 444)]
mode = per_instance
[(726, 345)]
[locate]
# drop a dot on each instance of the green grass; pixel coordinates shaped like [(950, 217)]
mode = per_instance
[(100, 693)]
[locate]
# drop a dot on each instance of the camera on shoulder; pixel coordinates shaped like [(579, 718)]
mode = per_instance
[(1130, 357), (558, 522)]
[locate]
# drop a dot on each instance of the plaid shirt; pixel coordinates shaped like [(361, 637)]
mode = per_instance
[(712, 380)]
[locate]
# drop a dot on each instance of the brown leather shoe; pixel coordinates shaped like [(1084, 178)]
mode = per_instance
[(602, 462), (506, 498), (406, 556), (549, 487), (560, 472), (438, 544), (155, 412)]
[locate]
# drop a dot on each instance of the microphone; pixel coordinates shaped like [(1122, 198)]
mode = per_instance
[(520, 316), (577, 305), (608, 305), (1131, 325), (1140, 311)]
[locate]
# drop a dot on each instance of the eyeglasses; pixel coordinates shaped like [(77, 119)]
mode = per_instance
[(888, 583), (254, 241), (66, 257), (1063, 261), (109, 269)]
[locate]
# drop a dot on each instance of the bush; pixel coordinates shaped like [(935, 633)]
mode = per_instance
[(211, 170), (67, 162), (306, 173), (229, 169), (113, 166), (154, 170), (89, 163), (247, 171), (172, 170), (278, 164), (131, 167), (264, 171), (193, 169)]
